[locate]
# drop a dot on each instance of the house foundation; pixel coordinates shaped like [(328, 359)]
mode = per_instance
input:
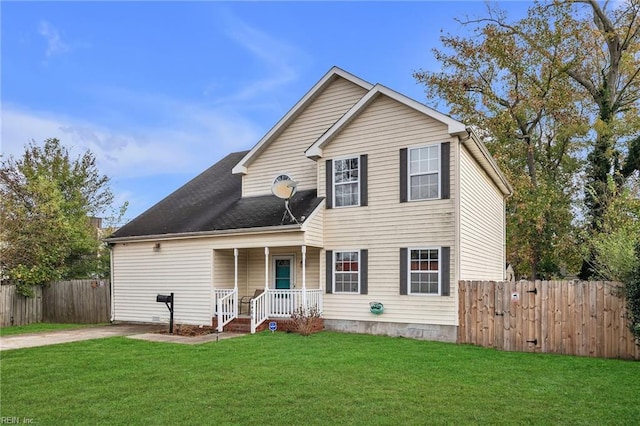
[(441, 333)]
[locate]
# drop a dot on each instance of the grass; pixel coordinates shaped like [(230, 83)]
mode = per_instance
[(40, 327), (324, 379)]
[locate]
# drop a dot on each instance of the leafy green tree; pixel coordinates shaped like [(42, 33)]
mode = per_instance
[(532, 122), (632, 292), (46, 202), (615, 257)]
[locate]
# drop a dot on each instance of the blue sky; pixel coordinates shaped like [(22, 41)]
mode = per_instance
[(159, 91)]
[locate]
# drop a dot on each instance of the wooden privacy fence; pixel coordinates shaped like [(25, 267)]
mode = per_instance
[(77, 301), (566, 317)]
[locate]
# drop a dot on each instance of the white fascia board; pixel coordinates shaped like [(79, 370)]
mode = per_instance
[(241, 167), (312, 215), (454, 127), (206, 234)]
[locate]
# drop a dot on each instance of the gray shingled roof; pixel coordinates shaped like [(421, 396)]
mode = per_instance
[(213, 201)]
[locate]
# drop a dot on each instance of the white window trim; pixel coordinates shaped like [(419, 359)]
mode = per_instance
[(333, 270), (409, 175), (409, 292), (274, 258), (333, 181)]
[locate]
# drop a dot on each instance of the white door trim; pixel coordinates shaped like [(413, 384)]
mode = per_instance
[(292, 270)]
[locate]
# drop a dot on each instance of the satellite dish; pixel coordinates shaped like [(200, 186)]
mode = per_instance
[(284, 187)]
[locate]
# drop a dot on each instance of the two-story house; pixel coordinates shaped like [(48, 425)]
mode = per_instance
[(394, 203)]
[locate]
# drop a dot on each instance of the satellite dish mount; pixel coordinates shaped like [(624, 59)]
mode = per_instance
[(284, 188)]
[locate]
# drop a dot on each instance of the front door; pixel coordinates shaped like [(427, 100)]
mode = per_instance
[(283, 271)]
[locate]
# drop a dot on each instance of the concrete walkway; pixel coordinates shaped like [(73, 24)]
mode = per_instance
[(134, 331)]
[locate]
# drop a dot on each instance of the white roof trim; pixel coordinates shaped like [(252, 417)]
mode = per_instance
[(454, 127), (203, 234), (241, 167)]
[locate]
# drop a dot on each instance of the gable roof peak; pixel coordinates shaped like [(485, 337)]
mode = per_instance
[(313, 93), (454, 127)]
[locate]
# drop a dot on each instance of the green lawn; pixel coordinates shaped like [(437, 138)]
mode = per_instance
[(40, 327), (324, 379)]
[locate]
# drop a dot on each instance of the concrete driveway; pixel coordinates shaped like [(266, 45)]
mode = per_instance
[(31, 340), (134, 331)]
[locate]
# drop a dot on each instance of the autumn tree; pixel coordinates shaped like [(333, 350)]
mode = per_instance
[(599, 44), (46, 202), (532, 121)]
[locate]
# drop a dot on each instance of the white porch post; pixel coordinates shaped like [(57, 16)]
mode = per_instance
[(235, 280), (304, 278), (266, 279), (266, 268), (235, 268)]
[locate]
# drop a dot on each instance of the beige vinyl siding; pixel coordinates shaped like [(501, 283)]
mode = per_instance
[(482, 254), (224, 268), (267, 239), (314, 228), (185, 267), (285, 154), (191, 268), (140, 274), (386, 225)]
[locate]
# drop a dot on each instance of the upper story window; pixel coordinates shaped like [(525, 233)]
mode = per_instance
[(424, 172), (346, 182)]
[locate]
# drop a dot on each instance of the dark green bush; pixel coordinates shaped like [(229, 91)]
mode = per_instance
[(632, 290)]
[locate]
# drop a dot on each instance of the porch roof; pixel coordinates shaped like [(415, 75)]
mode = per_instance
[(212, 201)]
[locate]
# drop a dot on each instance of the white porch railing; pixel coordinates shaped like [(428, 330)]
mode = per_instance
[(282, 304), (226, 301), (259, 311)]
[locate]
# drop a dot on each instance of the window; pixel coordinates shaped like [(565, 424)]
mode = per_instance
[(424, 171), (424, 271), (346, 182), (346, 272)]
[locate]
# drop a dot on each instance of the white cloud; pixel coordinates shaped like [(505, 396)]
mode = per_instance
[(198, 139), (55, 44), (280, 60)]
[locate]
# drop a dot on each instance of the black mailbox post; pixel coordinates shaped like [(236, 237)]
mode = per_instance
[(167, 300)]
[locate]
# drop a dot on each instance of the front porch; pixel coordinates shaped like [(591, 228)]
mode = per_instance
[(268, 283), (242, 324)]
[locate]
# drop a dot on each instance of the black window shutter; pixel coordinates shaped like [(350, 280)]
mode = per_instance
[(403, 271), (445, 264), (329, 268), (329, 184), (403, 175), (444, 170), (364, 271), (364, 199)]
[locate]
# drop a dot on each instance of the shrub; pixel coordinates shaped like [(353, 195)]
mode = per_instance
[(307, 321), (632, 290)]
